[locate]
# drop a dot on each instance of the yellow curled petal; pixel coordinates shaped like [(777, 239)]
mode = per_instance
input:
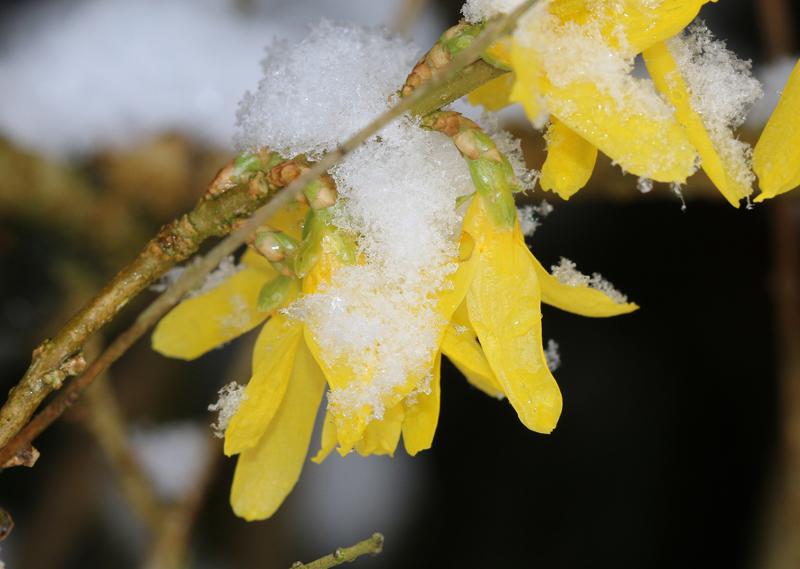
[(582, 300), (266, 473), (204, 322), (421, 418), (499, 53), (570, 160), (462, 348), (264, 393), (329, 438), (668, 80), (776, 158), (504, 308), (382, 435), (643, 143), (493, 95)]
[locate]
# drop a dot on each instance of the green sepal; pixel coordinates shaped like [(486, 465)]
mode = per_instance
[(280, 242), (492, 185), (274, 293), (461, 199)]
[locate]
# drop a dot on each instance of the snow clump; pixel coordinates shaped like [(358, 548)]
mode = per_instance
[(230, 397), (325, 89), (478, 10), (568, 274), (722, 90)]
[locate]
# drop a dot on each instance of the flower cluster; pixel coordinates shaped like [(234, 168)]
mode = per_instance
[(412, 248)]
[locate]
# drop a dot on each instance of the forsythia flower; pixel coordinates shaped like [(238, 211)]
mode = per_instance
[(571, 62), (495, 296)]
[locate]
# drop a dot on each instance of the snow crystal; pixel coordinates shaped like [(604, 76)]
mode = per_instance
[(644, 184), (230, 397), (226, 269), (173, 456), (529, 216), (567, 274), (478, 10), (552, 356), (511, 148), (316, 94), (774, 77), (722, 90), (379, 317)]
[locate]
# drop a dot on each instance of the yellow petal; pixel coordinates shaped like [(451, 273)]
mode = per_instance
[(264, 394), (421, 418), (642, 143), (493, 95), (329, 438), (665, 74), (528, 88), (776, 159), (266, 473), (504, 308), (642, 26), (349, 427), (570, 160), (462, 348), (204, 322), (582, 300), (289, 220), (271, 334), (382, 435)]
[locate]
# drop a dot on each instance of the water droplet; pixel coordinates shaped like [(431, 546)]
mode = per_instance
[(523, 317)]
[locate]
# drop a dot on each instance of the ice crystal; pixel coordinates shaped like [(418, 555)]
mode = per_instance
[(568, 274), (230, 397)]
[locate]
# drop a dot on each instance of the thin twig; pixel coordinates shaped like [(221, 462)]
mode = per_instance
[(25, 403), (373, 546)]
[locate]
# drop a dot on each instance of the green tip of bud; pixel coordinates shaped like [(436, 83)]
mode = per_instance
[(274, 293), (308, 255)]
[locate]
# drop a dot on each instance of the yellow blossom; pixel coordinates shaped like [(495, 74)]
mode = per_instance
[(571, 61)]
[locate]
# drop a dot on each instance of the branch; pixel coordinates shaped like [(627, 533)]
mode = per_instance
[(174, 243), (373, 546)]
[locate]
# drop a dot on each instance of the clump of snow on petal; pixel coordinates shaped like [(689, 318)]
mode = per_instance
[(306, 102), (530, 216), (644, 185), (722, 90), (478, 10), (230, 397), (379, 317), (552, 356), (567, 274), (174, 456)]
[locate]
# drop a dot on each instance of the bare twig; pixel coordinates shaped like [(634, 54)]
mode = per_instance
[(373, 546), (176, 242)]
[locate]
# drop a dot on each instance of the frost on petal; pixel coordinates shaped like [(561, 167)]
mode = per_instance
[(568, 274), (511, 148), (323, 90), (230, 397), (722, 90)]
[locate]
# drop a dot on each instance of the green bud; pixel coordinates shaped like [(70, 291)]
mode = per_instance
[(275, 246), (274, 293), (308, 255)]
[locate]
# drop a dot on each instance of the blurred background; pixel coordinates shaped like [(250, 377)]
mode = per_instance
[(678, 441)]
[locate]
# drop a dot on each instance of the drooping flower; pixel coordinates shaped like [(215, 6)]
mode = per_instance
[(572, 64)]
